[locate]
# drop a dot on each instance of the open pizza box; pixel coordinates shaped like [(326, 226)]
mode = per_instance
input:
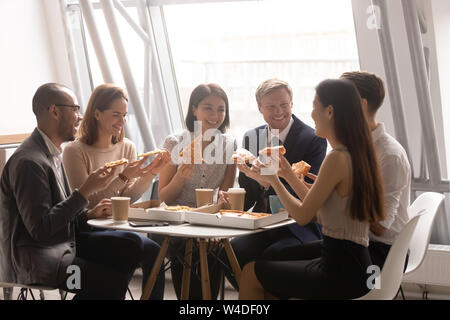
[(154, 210), (210, 216)]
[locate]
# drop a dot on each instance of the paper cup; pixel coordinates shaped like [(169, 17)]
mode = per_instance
[(120, 207), (236, 197), (204, 196)]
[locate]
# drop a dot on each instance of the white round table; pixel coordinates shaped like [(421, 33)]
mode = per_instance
[(192, 233)]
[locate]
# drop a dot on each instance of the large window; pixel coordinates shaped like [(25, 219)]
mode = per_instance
[(240, 44)]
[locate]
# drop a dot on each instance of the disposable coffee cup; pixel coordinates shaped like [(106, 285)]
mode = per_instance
[(204, 196), (120, 207), (236, 197)]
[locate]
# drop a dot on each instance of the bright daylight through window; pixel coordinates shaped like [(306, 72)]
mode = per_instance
[(240, 44)]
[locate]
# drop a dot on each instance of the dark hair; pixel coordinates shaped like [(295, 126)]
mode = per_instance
[(48, 94), (370, 87), (200, 93), (352, 130), (100, 99)]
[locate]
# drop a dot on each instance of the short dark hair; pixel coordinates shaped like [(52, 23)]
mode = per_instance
[(46, 95), (370, 87), (200, 93)]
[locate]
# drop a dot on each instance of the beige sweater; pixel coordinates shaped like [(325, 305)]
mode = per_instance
[(80, 160)]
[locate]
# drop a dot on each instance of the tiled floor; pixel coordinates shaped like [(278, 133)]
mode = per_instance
[(135, 288)]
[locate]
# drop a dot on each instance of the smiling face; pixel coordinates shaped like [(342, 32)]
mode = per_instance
[(112, 120), (211, 112), (70, 117), (276, 108)]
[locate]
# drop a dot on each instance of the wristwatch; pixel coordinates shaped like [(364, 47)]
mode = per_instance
[(123, 178)]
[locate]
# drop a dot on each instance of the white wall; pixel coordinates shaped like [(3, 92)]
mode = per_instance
[(32, 53), (440, 10)]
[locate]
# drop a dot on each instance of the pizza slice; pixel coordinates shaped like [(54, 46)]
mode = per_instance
[(243, 156), (301, 168), (271, 150), (116, 163), (151, 153), (243, 214), (177, 208)]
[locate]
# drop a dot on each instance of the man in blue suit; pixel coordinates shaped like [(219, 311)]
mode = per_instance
[(274, 98)]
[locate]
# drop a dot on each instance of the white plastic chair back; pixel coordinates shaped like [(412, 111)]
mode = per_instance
[(426, 205), (392, 273)]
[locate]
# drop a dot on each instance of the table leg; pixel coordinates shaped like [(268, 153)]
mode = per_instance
[(185, 285), (155, 270), (206, 286), (232, 259)]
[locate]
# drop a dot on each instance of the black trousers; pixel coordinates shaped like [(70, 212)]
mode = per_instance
[(274, 244), (105, 263), (339, 273)]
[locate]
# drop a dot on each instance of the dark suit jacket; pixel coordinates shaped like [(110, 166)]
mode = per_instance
[(301, 144), (37, 220)]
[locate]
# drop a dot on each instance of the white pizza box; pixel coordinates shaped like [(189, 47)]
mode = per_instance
[(210, 216), (154, 210)]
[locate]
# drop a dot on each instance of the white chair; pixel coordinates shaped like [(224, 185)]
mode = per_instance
[(392, 273), (421, 212), (428, 204)]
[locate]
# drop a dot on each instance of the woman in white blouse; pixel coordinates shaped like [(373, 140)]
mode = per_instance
[(209, 112)]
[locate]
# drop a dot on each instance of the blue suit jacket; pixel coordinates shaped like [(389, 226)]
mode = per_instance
[(301, 144)]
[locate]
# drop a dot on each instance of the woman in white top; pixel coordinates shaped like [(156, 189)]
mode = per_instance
[(208, 109), (208, 115), (345, 198), (101, 140)]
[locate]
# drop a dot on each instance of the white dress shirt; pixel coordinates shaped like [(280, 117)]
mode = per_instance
[(57, 158), (396, 175), (281, 134)]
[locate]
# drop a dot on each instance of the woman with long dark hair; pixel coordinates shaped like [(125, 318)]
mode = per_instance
[(345, 198), (208, 116)]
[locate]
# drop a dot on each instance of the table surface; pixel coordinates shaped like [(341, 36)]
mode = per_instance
[(183, 230)]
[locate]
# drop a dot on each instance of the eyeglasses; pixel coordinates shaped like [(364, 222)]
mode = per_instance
[(76, 107)]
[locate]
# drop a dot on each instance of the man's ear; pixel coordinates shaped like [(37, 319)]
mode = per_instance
[(259, 108), (53, 111)]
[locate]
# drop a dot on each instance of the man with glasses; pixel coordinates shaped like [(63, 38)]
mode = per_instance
[(40, 216), (274, 99)]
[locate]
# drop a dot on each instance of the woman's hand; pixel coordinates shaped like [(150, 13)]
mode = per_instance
[(224, 198), (133, 169), (102, 210), (156, 165), (285, 168), (249, 173), (258, 172), (184, 171)]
